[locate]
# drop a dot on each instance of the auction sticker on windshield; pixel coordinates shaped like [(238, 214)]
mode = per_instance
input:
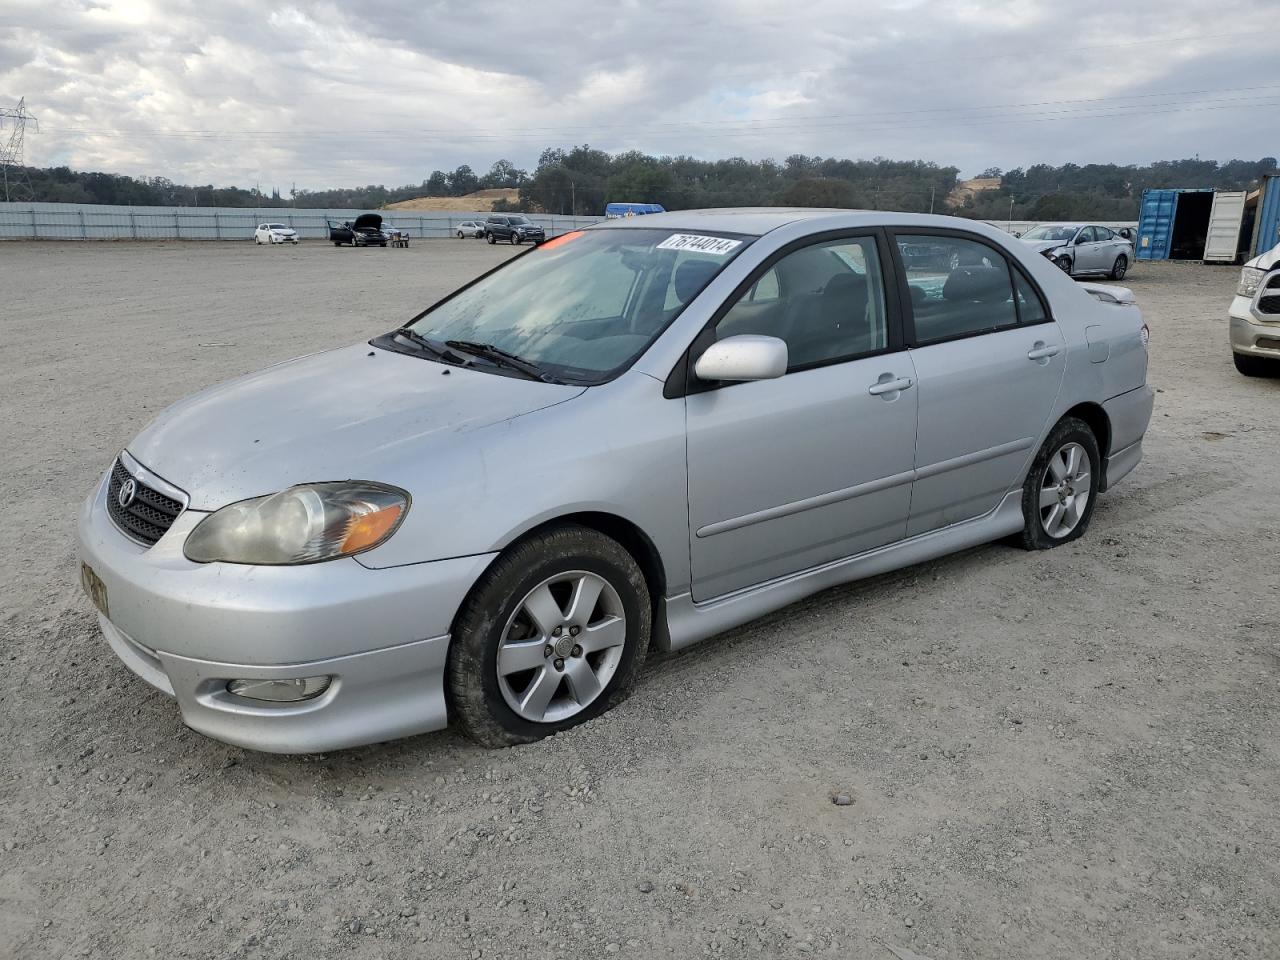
[(718, 246)]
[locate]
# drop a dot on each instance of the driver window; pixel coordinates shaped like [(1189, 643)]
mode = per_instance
[(825, 301)]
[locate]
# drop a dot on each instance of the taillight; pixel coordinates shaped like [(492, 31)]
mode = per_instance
[(1146, 335)]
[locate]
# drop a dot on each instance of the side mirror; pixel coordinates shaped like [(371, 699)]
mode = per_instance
[(744, 357), (1079, 239)]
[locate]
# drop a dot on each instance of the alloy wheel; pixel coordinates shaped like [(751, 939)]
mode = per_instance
[(1065, 489), (561, 646)]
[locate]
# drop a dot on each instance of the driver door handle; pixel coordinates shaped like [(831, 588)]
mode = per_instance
[(889, 386), (1041, 351)]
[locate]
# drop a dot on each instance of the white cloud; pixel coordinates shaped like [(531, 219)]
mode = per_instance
[(328, 94)]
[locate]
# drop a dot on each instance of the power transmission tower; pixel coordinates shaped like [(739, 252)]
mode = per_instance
[(13, 171)]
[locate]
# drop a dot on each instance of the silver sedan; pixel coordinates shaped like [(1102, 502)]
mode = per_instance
[(1081, 249), (632, 437)]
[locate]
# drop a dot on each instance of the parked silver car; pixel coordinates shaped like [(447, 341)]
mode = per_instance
[(1081, 249), (637, 435)]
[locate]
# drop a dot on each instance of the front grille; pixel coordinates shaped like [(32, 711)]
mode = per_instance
[(149, 514), (1269, 304)]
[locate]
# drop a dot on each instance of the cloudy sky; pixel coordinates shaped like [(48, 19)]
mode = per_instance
[(341, 94)]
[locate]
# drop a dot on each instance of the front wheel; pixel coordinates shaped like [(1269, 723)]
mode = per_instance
[(491, 238), (553, 634), (1063, 264), (1060, 491), (1120, 267)]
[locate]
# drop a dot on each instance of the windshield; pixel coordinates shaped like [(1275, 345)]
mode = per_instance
[(1050, 232), (519, 219), (276, 226), (583, 306)]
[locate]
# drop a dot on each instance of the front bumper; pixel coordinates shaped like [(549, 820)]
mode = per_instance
[(1249, 335), (188, 628)]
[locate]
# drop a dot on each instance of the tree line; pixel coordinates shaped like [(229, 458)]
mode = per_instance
[(581, 180)]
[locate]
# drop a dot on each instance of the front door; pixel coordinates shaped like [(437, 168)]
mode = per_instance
[(816, 465), (989, 360)]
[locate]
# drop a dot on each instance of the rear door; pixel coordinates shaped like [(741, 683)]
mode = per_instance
[(816, 465), (989, 361)]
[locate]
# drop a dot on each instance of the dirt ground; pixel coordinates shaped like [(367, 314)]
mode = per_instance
[(1069, 754)]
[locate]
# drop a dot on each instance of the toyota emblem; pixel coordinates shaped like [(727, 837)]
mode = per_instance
[(128, 490)]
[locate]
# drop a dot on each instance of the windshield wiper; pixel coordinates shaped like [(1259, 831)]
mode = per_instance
[(431, 346), (502, 357)]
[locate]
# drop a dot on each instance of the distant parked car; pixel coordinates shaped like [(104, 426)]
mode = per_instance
[(1082, 248), (513, 228), (1254, 317), (274, 233), (364, 231), (472, 229)]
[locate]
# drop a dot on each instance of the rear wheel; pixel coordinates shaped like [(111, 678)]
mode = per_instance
[(1120, 267), (553, 634), (515, 240), (1252, 366), (1060, 491), (460, 235), (491, 238)]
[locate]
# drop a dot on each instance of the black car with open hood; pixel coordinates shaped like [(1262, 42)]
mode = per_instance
[(364, 231)]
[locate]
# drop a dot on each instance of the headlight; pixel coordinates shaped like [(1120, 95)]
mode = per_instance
[(304, 524), (1250, 277)]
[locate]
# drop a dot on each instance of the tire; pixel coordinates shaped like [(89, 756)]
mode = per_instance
[(490, 237), (460, 235), (1063, 264), (1252, 366), (1120, 267), (337, 243), (496, 710), (515, 241), (1052, 525)]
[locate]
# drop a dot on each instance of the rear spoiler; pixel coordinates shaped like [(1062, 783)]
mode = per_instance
[(1119, 296)]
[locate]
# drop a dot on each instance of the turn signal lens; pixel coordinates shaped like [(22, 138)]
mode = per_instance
[(363, 532)]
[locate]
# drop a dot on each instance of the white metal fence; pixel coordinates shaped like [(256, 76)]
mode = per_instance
[(84, 221)]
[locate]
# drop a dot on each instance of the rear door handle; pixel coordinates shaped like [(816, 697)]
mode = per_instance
[(884, 386), (1043, 351)]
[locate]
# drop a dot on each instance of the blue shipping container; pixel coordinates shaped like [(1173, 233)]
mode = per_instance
[(1155, 224), (1267, 233)]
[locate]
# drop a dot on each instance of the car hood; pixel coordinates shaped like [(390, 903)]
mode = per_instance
[(1040, 246), (1267, 260), (352, 413), (283, 230), (367, 221)]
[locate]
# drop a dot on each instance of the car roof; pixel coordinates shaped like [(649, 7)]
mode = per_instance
[(757, 221)]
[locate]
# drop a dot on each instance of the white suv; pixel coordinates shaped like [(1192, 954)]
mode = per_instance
[(1255, 317)]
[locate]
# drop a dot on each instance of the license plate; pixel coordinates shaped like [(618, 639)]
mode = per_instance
[(95, 588)]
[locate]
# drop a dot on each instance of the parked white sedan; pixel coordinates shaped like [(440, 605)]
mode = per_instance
[(469, 229), (274, 233)]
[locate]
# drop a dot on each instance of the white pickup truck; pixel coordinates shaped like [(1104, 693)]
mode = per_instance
[(1255, 317)]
